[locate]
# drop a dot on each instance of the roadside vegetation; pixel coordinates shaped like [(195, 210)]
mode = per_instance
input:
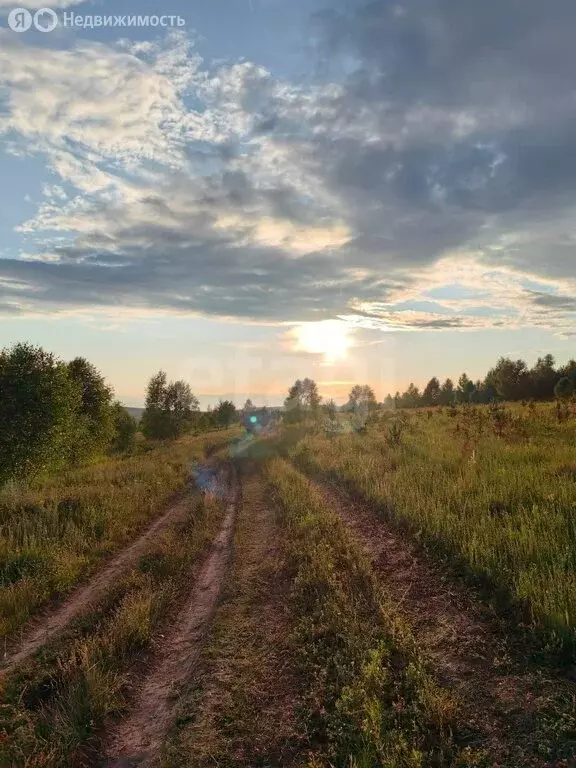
[(77, 479), (55, 531), (491, 488), (369, 700), (56, 414), (54, 707)]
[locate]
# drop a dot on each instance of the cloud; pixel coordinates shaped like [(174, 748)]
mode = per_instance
[(436, 148), (553, 301), (93, 103), (36, 4), (282, 233)]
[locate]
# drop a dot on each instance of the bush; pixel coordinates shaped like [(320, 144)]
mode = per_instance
[(125, 427), (38, 406), (94, 428), (564, 389)]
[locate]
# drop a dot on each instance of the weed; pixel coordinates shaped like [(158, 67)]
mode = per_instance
[(371, 702), (55, 531), (508, 517)]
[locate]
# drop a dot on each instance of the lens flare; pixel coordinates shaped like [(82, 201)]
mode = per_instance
[(329, 338)]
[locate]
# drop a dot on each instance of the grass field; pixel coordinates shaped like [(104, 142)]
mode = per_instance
[(344, 626), (369, 696), (494, 491), (55, 707), (56, 530)]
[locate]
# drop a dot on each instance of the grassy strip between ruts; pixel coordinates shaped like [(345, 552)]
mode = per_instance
[(241, 708), (370, 701), (55, 531), (54, 707)]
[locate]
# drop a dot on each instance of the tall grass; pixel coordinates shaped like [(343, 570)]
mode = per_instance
[(54, 708), (370, 700), (498, 496), (56, 530)]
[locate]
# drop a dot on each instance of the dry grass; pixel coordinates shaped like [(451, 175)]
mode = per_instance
[(56, 705), (55, 531), (496, 495)]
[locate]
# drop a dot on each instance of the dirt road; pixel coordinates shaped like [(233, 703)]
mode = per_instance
[(139, 738)]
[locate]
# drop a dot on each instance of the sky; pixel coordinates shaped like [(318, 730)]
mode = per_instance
[(360, 192)]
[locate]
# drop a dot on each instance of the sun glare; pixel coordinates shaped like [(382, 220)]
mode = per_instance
[(330, 338)]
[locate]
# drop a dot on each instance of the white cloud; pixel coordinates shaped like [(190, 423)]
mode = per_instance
[(36, 4), (295, 239), (270, 200)]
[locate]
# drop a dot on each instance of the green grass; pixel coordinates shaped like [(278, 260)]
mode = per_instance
[(55, 707), (56, 530), (498, 499), (370, 700)]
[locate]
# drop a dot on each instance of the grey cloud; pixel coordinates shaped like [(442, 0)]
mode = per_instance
[(552, 301), (454, 131), (501, 139), (454, 53)]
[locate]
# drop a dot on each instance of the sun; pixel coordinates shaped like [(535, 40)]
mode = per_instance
[(330, 338)]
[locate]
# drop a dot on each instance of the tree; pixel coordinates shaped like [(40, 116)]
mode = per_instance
[(125, 428), (94, 429), (170, 410), (181, 407), (431, 394), (509, 378), (411, 398), (38, 406), (569, 370), (389, 402), (482, 394), (564, 389), (362, 398), (153, 423), (310, 398), (248, 406), (303, 400), (447, 393), (331, 409), (543, 377), (466, 389), (225, 413)]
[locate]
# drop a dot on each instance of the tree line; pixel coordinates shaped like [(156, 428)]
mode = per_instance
[(510, 380), (56, 414)]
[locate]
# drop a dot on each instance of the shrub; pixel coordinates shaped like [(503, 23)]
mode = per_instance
[(125, 427), (564, 389), (38, 406), (394, 434), (94, 424)]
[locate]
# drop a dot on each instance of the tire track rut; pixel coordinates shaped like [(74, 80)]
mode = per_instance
[(247, 689), (500, 700), (45, 627), (138, 740)]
